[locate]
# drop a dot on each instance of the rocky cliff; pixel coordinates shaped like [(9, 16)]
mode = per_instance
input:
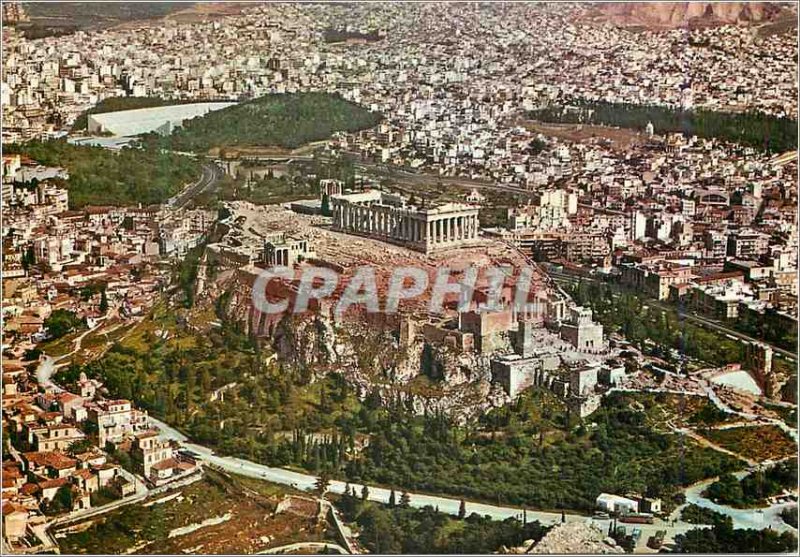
[(685, 14), (376, 354)]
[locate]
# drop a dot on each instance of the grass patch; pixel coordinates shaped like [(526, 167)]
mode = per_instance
[(786, 413), (757, 443), (58, 347), (665, 409)]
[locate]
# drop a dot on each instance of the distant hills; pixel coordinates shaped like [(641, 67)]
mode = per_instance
[(686, 14), (59, 18)]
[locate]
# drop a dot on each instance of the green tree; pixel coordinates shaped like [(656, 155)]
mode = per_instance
[(28, 258), (62, 500), (322, 483), (326, 205), (62, 322), (103, 301)]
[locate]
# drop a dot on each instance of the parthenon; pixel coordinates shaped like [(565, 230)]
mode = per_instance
[(389, 217)]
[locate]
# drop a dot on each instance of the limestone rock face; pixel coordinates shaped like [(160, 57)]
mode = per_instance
[(373, 357), (682, 14), (571, 538)]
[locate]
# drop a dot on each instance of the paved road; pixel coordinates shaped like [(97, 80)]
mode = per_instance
[(443, 504), (758, 519), (211, 174), (304, 547)]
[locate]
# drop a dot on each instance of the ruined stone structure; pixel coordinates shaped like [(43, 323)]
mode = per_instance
[(528, 366), (758, 361), (488, 327), (581, 332), (286, 251), (330, 187), (516, 373), (389, 217)]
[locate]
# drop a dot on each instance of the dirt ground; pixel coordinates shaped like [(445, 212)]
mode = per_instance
[(201, 11), (220, 514), (758, 443), (620, 139)]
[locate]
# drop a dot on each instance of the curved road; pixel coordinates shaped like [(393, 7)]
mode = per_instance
[(317, 547), (741, 518), (757, 519), (210, 176)]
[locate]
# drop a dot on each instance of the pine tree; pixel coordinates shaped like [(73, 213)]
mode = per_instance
[(392, 500), (326, 205), (462, 509), (322, 483), (364, 493), (405, 499), (103, 301)]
